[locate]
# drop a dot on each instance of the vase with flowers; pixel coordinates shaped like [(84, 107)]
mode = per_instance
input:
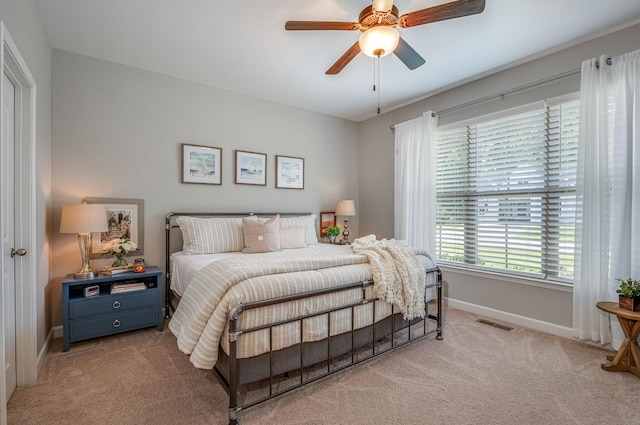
[(120, 248)]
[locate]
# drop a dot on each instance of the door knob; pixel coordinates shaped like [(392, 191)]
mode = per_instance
[(20, 252)]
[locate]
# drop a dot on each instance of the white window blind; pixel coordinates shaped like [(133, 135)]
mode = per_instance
[(506, 191)]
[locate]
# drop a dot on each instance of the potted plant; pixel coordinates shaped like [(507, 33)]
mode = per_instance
[(629, 294), (332, 232)]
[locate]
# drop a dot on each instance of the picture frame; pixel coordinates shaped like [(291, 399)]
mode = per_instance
[(251, 168), (201, 164), (125, 218), (289, 172), (327, 218)]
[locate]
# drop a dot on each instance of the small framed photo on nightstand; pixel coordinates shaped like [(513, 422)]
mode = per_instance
[(326, 219)]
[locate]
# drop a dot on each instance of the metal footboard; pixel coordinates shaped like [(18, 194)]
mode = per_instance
[(232, 381)]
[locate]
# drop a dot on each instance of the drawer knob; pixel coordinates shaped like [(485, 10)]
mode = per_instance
[(116, 323), (116, 304)]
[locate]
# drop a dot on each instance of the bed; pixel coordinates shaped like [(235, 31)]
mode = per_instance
[(259, 300)]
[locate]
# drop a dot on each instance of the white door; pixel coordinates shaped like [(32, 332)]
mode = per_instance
[(8, 269)]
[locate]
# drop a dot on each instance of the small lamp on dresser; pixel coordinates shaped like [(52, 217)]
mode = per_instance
[(346, 208), (84, 219)]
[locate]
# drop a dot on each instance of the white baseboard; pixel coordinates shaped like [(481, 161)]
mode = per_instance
[(527, 322), (42, 354)]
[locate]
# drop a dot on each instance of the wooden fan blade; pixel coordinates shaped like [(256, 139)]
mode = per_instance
[(456, 9), (320, 25), (344, 60), (408, 55)]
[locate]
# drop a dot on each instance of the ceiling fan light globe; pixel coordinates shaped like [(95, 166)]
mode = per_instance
[(379, 41)]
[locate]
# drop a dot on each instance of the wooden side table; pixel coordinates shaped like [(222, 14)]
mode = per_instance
[(627, 359)]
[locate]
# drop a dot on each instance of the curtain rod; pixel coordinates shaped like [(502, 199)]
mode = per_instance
[(510, 91)]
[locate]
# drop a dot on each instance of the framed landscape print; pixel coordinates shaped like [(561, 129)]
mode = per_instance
[(289, 172), (125, 220), (326, 219), (201, 164), (251, 168)]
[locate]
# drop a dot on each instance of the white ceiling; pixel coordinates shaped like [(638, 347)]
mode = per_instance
[(241, 45)]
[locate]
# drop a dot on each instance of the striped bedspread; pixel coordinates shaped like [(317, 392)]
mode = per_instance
[(199, 323)]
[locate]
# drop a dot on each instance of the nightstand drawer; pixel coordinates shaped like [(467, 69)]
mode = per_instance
[(112, 323), (106, 304)]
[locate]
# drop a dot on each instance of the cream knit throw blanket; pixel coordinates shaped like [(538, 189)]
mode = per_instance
[(398, 276)]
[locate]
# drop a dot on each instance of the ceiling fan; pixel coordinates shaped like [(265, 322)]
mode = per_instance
[(379, 36)]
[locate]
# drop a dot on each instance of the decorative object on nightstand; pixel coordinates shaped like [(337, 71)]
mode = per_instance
[(139, 265), (120, 248), (84, 219), (629, 294), (346, 208), (332, 232)]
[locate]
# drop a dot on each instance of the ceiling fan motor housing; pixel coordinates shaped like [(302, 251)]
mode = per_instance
[(369, 17)]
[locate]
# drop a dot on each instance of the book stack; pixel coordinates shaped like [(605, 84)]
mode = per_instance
[(120, 287), (118, 270)]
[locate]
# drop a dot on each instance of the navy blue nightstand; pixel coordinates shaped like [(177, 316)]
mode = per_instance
[(106, 313)]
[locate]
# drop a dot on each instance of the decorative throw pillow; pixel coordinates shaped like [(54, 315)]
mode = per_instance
[(293, 237), (211, 235), (306, 221), (261, 237)]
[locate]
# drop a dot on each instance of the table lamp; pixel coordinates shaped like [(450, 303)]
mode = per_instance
[(84, 219), (345, 208)]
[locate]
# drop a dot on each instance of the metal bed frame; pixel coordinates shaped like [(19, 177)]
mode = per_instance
[(229, 370)]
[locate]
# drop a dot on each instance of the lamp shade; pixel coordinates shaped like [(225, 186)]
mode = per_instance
[(379, 41), (346, 208), (83, 218)]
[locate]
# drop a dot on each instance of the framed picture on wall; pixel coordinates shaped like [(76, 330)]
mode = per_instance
[(326, 219), (201, 164), (125, 220), (289, 172), (251, 168)]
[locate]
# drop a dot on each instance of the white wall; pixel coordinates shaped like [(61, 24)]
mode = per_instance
[(23, 22), (498, 297), (117, 132)]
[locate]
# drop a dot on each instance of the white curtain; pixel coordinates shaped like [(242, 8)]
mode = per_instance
[(415, 181), (608, 192)]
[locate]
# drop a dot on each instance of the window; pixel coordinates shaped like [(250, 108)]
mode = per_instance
[(506, 190)]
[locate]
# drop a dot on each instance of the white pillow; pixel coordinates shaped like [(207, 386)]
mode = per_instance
[(261, 237), (293, 237), (211, 235), (306, 221)]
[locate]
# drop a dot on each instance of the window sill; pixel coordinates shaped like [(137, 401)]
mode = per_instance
[(505, 277)]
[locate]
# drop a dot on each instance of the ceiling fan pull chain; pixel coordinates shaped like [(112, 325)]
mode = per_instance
[(378, 60), (374, 74)]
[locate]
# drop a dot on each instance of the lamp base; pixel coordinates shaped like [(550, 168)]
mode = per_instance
[(345, 232), (85, 274)]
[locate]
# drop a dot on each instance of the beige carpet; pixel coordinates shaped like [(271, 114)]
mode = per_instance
[(477, 375)]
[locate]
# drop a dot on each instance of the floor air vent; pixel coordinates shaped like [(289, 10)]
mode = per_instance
[(495, 325)]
